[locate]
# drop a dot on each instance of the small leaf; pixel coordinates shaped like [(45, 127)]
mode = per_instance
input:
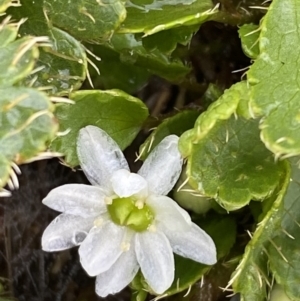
[(133, 52), (166, 41), (176, 125), (156, 16), (273, 79), (116, 112), (87, 20), (249, 35)]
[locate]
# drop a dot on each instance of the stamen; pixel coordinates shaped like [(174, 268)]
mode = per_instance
[(152, 228), (108, 200), (98, 222), (125, 246), (139, 204)]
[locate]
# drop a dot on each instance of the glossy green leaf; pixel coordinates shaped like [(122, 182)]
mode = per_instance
[(116, 112), (158, 15), (62, 66), (249, 35), (26, 125), (176, 125), (116, 74), (221, 142), (187, 272), (274, 79), (251, 277), (132, 51), (284, 249), (87, 20)]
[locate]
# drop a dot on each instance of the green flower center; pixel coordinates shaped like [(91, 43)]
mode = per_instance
[(124, 212)]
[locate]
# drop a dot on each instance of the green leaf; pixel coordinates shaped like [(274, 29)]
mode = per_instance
[(62, 66), (221, 142), (27, 124), (116, 74), (249, 35), (158, 15), (132, 51), (166, 41), (87, 20), (176, 125), (116, 112), (187, 271), (283, 249), (16, 59), (274, 79), (251, 277)]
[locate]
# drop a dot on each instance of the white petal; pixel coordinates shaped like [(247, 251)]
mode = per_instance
[(77, 199), (99, 156), (66, 231), (155, 257), (194, 244), (101, 248), (163, 166), (169, 213), (127, 184), (119, 275)]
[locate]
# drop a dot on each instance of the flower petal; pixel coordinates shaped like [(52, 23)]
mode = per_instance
[(194, 244), (155, 257), (119, 275), (66, 231), (101, 248), (127, 184), (99, 156), (77, 199), (163, 166), (169, 213)]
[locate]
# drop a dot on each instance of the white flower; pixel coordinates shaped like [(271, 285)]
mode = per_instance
[(124, 221)]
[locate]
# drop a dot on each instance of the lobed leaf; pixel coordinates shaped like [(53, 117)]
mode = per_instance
[(274, 79), (220, 143), (116, 112)]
